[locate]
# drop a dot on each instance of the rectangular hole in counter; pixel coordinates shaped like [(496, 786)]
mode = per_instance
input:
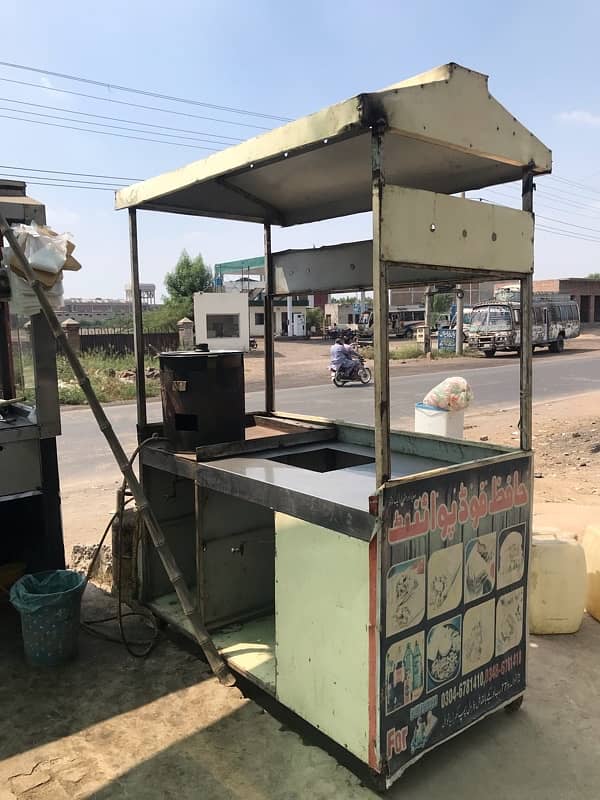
[(323, 459)]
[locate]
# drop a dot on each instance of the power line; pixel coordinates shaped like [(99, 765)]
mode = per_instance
[(573, 197), (62, 172), (65, 186), (541, 194), (567, 201), (581, 186), (108, 125), (557, 193), (114, 119), (145, 92), (110, 133), (134, 105), (63, 180), (565, 235), (570, 224)]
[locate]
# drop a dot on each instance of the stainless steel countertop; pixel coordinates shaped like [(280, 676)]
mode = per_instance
[(348, 486), (336, 500)]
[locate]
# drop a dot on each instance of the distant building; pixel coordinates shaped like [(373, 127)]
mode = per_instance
[(251, 272), (103, 308), (147, 293), (586, 291), (415, 296), (89, 310), (341, 315), (300, 305), (222, 320)]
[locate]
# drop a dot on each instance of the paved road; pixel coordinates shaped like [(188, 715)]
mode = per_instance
[(85, 458)]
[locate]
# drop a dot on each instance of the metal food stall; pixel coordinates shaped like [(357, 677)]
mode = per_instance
[(30, 515), (373, 581)]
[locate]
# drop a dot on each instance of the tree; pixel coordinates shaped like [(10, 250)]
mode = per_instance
[(166, 317), (314, 317), (594, 275), (190, 275), (442, 302)]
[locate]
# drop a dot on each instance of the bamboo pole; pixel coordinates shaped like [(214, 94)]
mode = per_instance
[(380, 319), (191, 612), (526, 351)]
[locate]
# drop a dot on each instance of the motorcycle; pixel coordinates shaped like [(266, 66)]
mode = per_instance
[(358, 373)]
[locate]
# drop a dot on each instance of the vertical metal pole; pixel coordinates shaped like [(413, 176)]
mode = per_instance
[(269, 344), (460, 311), (526, 393), (7, 375), (380, 319), (138, 330), (428, 314)]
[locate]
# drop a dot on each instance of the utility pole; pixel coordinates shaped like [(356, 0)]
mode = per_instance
[(459, 319), (428, 309)]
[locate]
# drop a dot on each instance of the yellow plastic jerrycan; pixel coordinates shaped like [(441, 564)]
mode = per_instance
[(557, 584), (591, 546)]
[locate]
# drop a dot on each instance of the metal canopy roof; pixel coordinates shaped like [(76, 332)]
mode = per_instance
[(445, 133)]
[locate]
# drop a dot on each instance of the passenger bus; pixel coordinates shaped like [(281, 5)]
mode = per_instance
[(495, 326), (401, 321)]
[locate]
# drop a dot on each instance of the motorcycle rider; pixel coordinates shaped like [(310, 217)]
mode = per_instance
[(351, 345), (340, 356)]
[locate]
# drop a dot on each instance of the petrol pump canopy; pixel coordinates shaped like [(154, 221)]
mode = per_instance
[(445, 133)]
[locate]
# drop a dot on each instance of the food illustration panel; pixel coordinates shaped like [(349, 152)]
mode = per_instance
[(444, 580), (405, 595), (454, 557), (511, 556), (480, 567), (404, 672), (478, 636), (509, 621), (443, 653)]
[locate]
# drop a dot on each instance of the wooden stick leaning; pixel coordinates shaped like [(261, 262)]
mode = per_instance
[(192, 614)]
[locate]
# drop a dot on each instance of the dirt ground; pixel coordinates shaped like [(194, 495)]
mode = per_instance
[(111, 727), (566, 441)]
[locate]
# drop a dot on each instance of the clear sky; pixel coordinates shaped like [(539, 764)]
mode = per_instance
[(284, 59)]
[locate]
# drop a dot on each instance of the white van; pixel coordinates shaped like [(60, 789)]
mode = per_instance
[(495, 326)]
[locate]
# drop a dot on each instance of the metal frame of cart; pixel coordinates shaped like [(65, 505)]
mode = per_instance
[(389, 635)]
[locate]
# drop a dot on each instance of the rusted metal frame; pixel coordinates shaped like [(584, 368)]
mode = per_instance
[(268, 326), (274, 215), (380, 318), (138, 329), (200, 498), (526, 323)]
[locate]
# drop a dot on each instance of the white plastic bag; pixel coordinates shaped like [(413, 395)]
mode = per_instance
[(43, 250), (452, 394), (24, 300)]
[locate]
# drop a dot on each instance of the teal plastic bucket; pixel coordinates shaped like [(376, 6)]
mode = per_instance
[(49, 604)]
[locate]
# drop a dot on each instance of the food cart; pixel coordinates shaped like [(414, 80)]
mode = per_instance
[(372, 581), (30, 517)]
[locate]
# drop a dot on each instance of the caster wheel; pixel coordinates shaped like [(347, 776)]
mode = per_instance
[(514, 706)]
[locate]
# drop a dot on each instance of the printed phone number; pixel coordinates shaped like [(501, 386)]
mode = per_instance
[(481, 679)]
